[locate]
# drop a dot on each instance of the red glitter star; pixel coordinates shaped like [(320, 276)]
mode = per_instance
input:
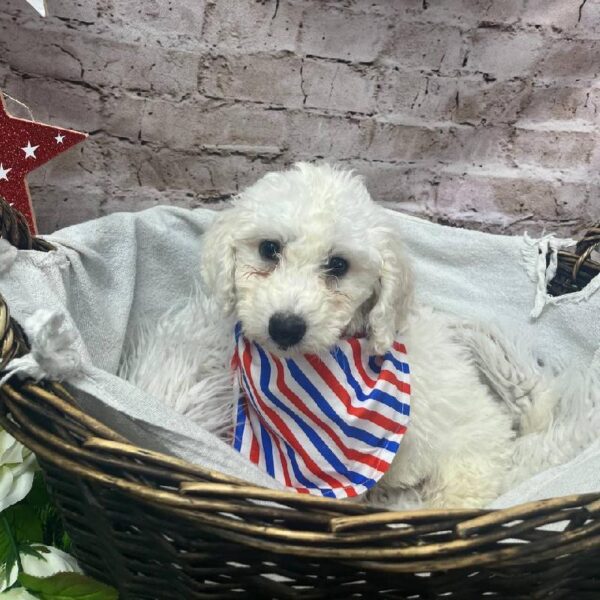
[(25, 146)]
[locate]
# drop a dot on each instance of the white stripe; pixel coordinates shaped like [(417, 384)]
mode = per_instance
[(382, 385), (374, 405), (340, 409), (403, 358), (252, 424), (302, 438), (255, 372), (247, 435)]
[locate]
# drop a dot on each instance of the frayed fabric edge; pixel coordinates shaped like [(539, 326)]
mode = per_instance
[(53, 354), (534, 255)]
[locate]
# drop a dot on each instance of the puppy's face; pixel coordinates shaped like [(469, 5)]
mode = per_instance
[(305, 257)]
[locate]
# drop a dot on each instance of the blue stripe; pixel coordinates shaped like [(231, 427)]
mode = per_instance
[(300, 476), (318, 443), (250, 395), (375, 394), (238, 331), (401, 366), (373, 365), (354, 432), (267, 447), (240, 424), (305, 482)]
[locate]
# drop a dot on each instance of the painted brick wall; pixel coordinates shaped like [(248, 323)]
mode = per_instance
[(472, 112)]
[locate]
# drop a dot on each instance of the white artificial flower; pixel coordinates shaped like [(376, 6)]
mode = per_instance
[(54, 561), (17, 467)]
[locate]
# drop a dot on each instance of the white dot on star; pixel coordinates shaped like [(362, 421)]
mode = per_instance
[(59, 138), (29, 150), (4, 172)]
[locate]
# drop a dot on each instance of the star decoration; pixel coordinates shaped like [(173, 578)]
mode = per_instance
[(29, 150), (39, 5), (25, 146)]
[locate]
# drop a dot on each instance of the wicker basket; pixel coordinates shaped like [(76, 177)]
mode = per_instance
[(157, 527)]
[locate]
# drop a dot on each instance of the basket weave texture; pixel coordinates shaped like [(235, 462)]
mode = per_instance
[(157, 527)]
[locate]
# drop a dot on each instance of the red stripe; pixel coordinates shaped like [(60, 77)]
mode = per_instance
[(287, 434), (254, 445), (385, 374), (254, 448), (350, 492), (388, 376), (399, 347), (340, 391), (366, 459), (235, 360), (284, 467), (357, 356)]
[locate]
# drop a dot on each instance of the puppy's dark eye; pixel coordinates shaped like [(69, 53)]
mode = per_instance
[(337, 266), (269, 249)]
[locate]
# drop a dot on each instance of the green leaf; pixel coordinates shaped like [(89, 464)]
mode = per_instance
[(39, 500), (64, 543), (38, 497), (5, 543), (11, 560), (10, 552), (19, 527), (35, 552), (68, 586), (24, 523)]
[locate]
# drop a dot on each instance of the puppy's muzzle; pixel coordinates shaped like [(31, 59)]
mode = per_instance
[(286, 329)]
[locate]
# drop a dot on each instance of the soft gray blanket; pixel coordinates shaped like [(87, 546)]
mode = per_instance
[(109, 275)]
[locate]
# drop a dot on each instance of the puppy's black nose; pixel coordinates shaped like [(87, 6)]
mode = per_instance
[(286, 329)]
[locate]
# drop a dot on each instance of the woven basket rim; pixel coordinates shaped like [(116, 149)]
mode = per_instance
[(204, 495)]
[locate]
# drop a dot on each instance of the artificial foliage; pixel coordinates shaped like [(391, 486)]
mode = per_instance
[(34, 559)]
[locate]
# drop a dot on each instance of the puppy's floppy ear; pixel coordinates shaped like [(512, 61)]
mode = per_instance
[(393, 295), (218, 260)]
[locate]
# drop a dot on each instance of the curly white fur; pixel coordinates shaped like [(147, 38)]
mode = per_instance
[(473, 391), (313, 212)]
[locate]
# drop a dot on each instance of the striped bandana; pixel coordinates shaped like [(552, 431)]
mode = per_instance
[(326, 425)]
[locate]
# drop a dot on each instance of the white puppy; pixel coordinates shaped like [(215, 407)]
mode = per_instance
[(304, 258)]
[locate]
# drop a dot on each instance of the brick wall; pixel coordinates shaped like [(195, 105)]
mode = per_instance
[(472, 112)]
